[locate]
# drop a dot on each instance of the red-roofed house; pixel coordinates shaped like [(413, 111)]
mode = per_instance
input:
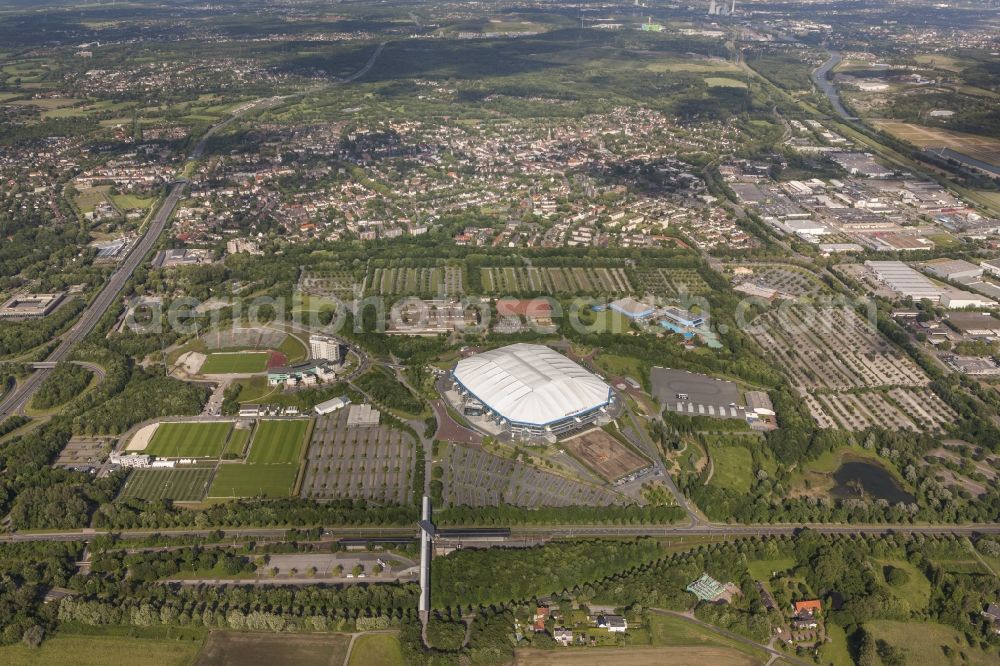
[(808, 606), (541, 615)]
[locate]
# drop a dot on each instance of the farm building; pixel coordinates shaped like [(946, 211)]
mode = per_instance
[(533, 391)]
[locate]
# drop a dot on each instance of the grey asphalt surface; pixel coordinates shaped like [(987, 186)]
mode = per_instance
[(546, 532)]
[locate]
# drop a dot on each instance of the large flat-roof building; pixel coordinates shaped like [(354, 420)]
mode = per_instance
[(633, 309), (533, 391), (904, 280), (953, 269), (31, 305)]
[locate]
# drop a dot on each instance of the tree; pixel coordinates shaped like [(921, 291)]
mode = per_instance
[(33, 636), (868, 651)]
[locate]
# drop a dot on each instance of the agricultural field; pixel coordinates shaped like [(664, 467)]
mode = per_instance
[(189, 440), (373, 463), (243, 363), (850, 376), (235, 648), (670, 282), (414, 281), (82, 650), (604, 454), (512, 280), (179, 484), (982, 148), (278, 441), (635, 656), (476, 478), (670, 631)]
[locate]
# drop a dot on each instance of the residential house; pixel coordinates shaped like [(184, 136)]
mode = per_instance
[(563, 636), (615, 624)]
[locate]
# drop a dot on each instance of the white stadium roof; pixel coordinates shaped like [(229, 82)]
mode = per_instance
[(531, 384)]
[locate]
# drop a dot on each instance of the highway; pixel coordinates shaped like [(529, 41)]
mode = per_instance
[(16, 400)]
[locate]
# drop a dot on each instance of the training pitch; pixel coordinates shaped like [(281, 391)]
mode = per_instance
[(247, 480), (278, 441), (177, 484), (189, 440)]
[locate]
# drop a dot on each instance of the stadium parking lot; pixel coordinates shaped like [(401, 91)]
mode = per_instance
[(476, 478), (374, 463)]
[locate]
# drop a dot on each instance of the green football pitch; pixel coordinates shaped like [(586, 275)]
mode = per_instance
[(248, 480), (189, 440), (179, 484), (221, 363), (278, 441)]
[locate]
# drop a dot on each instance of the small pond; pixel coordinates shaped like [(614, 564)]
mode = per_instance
[(857, 478)]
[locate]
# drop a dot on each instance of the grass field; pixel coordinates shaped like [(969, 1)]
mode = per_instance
[(101, 651), (127, 201), (381, 649), (733, 466), (723, 82), (177, 484), (762, 569), (916, 591), (237, 442), (246, 480), (220, 363), (278, 441), (189, 440), (835, 652), (225, 648), (924, 643)]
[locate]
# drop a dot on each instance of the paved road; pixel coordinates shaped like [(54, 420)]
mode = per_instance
[(16, 400), (537, 533), (19, 397)]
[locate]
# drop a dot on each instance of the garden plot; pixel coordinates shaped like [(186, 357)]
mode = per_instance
[(787, 280), (670, 282), (476, 478), (849, 375), (510, 280), (328, 284), (416, 281), (359, 463)]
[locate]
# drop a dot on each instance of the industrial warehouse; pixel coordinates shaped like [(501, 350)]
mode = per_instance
[(528, 391)]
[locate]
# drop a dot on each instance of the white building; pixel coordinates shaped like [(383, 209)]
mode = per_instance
[(137, 460), (333, 405), (532, 390), (324, 347)]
